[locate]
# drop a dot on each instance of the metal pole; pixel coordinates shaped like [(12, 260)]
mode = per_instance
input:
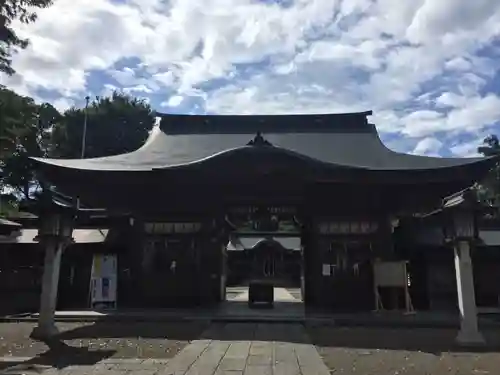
[(84, 138), (84, 135)]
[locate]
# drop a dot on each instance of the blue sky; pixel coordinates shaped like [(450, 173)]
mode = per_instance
[(427, 68)]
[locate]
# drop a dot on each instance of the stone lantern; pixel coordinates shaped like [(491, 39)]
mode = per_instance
[(460, 217), (460, 230)]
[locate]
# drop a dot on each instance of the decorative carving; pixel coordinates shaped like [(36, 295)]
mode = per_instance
[(259, 140)]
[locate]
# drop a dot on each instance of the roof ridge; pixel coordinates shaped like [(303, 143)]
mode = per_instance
[(355, 122)]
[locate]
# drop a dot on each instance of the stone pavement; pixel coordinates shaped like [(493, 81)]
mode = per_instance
[(270, 349), (287, 308), (280, 295), (231, 349)]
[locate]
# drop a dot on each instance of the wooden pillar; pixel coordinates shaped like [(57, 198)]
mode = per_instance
[(384, 249)]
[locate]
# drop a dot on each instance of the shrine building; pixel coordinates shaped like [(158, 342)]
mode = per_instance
[(308, 200)]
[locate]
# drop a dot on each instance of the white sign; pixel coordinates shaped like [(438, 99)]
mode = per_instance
[(327, 269), (390, 274), (103, 281)]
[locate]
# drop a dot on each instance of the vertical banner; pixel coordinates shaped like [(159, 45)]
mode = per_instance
[(103, 281)]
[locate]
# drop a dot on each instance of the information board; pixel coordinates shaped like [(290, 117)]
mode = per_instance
[(103, 281)]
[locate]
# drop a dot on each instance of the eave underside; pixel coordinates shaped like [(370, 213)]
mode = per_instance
[(176, 192)]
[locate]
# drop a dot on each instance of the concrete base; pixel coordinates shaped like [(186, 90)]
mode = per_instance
[(44, 332), (470, 338)]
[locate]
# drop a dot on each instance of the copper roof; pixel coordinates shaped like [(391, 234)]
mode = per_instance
[(336, 140)]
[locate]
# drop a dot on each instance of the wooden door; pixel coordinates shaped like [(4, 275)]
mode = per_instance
[(349, 286)]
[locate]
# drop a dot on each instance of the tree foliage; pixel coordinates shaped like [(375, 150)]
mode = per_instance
[(11, 10), (9, 205), (489, 190), (115, 125), (26, 131)]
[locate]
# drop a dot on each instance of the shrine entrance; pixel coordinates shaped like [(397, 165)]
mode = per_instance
[(264, 245), (269, 260), (272, 259)]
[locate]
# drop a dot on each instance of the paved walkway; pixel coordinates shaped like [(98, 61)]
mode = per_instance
[(287, 307), (292, 354), (280, 295), (230, 349)]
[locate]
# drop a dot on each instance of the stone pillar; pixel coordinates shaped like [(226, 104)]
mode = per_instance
[(54, 235), (469, 331), (46, 326)]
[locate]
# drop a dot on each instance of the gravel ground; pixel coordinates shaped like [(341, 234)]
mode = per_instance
[(378, 351), (102, 340), (350, 351)]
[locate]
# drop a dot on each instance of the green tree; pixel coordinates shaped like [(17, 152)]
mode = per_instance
[(489, 189), (26, 129), (10, 42), (116, 124), (9, 205)]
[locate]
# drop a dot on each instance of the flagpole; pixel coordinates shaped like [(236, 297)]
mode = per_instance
[(84, 137)]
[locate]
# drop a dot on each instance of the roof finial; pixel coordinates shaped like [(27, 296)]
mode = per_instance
[(259, 140)]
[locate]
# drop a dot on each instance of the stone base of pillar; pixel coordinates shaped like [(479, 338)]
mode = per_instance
[(44, 332), (470, 338)]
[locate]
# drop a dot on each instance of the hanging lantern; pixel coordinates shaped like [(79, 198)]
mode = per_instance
[(460, 218), (56, 225)]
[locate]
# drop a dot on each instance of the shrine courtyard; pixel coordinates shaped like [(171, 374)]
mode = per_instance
[(242, 348), (268, 202)]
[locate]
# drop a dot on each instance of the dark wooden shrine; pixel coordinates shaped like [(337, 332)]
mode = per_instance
[(348, 190)]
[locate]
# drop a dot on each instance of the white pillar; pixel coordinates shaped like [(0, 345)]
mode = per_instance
[(469, 331), (46, 327)]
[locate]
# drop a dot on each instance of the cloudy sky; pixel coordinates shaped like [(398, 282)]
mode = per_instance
[(429, 69)]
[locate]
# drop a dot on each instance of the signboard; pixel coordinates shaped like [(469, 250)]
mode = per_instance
[(327, 269), (347, 227), (103, 281), (170, 228), (273, 210), (260, 219), (390, 274)]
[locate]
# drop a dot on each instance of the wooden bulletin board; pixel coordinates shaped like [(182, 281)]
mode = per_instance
[(390, 274)]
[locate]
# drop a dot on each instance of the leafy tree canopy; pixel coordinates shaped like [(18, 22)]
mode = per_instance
[(11, 10), (115, 124), (25, 130), (489, 190)]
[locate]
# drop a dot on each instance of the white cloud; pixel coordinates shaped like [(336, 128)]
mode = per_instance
[(458, 63), (63, 104), (174, 101), (415, 63), (467, 149), (453, 19), (451, 99), (428, 146)]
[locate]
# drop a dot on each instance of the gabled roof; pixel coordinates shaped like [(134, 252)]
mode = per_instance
[(242, 243), (339, 140)]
